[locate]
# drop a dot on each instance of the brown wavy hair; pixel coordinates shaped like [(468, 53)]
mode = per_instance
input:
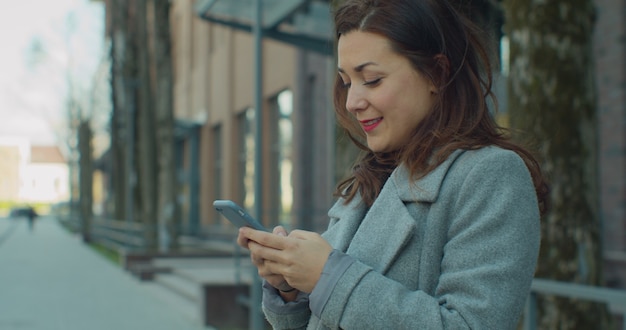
[(447, 48)]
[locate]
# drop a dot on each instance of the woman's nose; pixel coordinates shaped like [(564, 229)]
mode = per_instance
[(356, 100)]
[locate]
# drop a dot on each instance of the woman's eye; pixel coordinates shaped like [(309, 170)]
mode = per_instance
[(372, 82), (346, 85)]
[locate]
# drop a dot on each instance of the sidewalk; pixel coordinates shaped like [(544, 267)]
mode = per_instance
[(50, 280)]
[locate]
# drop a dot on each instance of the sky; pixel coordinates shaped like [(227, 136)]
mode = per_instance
[(46, 47)]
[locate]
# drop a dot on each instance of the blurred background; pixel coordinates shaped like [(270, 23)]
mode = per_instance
[(124, 120)]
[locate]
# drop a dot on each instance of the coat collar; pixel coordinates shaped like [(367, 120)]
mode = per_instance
[(425, 189)]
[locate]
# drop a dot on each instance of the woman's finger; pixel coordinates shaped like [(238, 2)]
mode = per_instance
[(280, 231), (264, 238), (266, 253), (242, 240)]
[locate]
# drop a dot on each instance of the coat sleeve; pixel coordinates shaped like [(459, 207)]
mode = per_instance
[(486, 263), (281, 315)]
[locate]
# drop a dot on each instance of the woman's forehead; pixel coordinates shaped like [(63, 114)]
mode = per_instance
[(357, 50)]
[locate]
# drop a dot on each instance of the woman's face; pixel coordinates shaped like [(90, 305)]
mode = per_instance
[(386, 94)]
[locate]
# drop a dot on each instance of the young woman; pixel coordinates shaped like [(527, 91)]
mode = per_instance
[(438, 225)]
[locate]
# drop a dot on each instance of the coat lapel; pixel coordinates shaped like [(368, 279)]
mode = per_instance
[(376, 237), (386, 228), (345, 219)]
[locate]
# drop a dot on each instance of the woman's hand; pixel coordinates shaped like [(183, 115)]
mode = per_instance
[(275, 280), (298, 258)]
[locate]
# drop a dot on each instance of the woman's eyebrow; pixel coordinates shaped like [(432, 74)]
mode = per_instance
[(359, 67)]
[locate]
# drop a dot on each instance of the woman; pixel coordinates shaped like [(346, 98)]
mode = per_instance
[(438, 225)]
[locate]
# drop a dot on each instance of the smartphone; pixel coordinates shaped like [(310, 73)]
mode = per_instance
[(237, 214)]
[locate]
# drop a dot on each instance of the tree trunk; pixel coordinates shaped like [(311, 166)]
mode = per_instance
[(85, 179), (552, 99), (168, 211), (123, 81), (146, 137), (118, 48)]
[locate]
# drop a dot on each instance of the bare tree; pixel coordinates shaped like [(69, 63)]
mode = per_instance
[(85, 178), (122, 116), (168, 211), (143, 117), (146, 161)]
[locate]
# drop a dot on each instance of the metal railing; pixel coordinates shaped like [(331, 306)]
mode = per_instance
[(128, 236), (120, 234), (615, 299), (115, 234)]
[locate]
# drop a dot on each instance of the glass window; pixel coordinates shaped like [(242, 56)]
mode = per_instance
[(283, 106)]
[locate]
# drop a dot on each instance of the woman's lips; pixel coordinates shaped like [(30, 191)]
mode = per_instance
[(371, 124)]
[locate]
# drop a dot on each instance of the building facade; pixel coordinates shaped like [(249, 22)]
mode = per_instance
[(214, 93)]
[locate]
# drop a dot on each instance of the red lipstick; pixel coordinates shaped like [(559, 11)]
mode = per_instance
[(370, 124)]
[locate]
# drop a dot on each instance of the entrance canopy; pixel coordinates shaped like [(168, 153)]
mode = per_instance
[(302, 23)]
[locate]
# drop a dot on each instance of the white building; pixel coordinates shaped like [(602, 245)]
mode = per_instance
[(31, 174)]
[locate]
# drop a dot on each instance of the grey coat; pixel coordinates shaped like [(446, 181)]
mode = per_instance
[(456, 249)]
